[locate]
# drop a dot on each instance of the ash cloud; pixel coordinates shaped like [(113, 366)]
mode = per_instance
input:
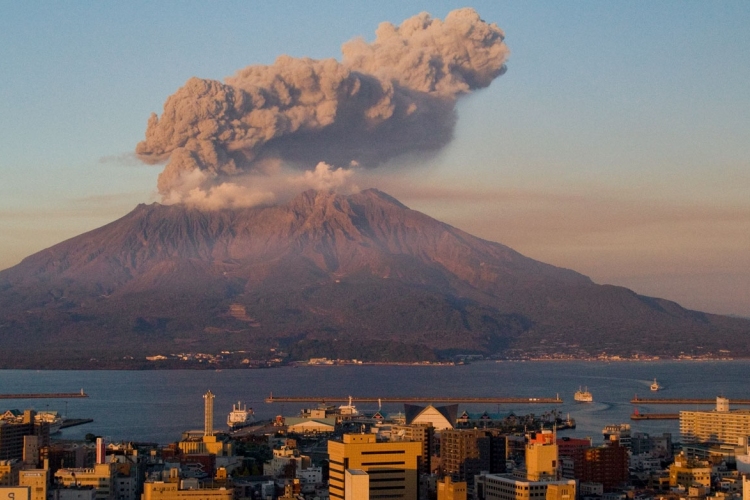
[(300, 121)]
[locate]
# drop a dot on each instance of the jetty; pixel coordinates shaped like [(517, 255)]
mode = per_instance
[(413, 399), (655, 416), (683, 401), (45, 395), (72, 422)]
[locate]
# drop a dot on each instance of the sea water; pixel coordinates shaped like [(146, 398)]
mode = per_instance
[(156, 406)]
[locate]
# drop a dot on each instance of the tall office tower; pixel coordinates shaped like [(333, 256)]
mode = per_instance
[(208, 418), (391, 466)]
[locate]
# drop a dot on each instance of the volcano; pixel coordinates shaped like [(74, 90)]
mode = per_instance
[(358, 276)]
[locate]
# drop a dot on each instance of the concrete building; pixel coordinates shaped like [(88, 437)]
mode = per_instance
[(9, 472), (356, 485), (687, 472), (423, 433), (391, 466), (13, 430), (286, 461), (606, 465), (101, 477), (448, 490), (172, 491), (720, 426), (465, 453), (541, 457), (37, 480), (503, 487), (567, 446), (73, 493), (658, 446), (619, 433)]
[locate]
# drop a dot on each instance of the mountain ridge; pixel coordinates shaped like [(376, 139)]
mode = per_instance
[(324, 269)]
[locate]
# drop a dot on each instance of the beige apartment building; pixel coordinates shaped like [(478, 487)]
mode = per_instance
[(720, 426)]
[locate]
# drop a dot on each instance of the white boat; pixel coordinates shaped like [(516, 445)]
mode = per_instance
[(240, 416), (348, 410), (655, 386), (583, 396)]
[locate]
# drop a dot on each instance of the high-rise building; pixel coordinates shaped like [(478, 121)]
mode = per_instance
[(391, 466), (720, 426), (541, 457), (12, 435), (606, 465), (423, 433), (465, 453)]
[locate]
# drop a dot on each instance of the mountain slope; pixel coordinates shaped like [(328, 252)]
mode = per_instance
[(325, 274)]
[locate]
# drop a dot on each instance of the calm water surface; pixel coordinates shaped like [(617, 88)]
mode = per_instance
[(158, 405)]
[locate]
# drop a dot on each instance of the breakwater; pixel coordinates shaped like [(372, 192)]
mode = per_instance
[(413, 399)]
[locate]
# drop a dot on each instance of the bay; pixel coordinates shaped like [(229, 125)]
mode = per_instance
[(156, 406)]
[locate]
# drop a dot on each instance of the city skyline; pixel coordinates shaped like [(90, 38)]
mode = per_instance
[(616, 144)]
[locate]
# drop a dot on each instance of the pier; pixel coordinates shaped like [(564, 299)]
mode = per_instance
[(45, 395), (415, 399), (72, 422), (683, 401), (655, 416)]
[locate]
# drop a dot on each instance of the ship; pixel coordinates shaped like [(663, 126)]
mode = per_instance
[(348, 411), (52, 418), (583, 396), (655, 386), (240, 416)]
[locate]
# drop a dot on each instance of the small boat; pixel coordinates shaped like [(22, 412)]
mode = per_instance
[(655, 386), (240, 416), (583, 396)]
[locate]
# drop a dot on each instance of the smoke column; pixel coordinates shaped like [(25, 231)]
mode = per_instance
[(302, 122)]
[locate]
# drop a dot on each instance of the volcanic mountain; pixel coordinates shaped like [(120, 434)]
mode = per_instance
[(358, 276)]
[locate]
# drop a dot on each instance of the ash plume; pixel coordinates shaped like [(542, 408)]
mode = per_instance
[(243, 141)]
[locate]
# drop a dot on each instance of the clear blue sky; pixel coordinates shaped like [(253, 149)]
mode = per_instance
[(617, 143)]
